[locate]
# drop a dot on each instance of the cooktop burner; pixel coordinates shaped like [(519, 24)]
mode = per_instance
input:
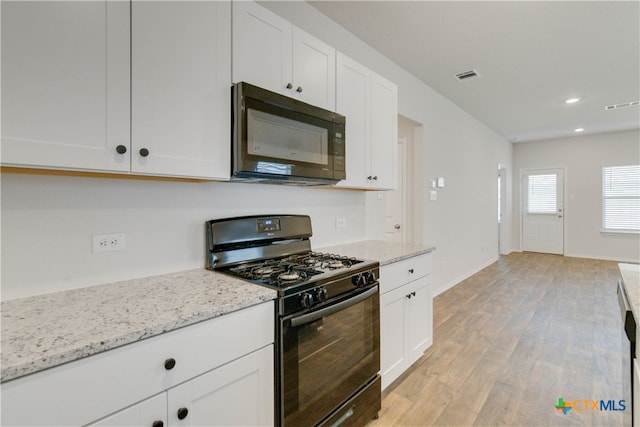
[(293, 269)]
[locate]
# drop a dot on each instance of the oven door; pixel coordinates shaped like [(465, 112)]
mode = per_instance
[(328, 355), (282, 138)]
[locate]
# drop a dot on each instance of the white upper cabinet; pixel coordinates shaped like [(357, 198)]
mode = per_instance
[(354, 102), (180, 91), (314, 70), (271, 53), (65, 84), (370, 104), (384, 132), (114, 86)]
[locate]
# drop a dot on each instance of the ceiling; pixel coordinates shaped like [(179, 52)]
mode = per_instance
[(531, 56)]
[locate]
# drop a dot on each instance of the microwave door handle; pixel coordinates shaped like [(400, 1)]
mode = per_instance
[(303, 319)]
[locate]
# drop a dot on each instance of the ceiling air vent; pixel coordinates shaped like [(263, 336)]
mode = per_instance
[(467, 75), (623, 105)]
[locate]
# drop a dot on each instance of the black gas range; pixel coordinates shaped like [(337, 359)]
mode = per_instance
[(327, 344), (275, 251)]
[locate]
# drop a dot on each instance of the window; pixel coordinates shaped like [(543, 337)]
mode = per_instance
[(542, 194), (621, 198)]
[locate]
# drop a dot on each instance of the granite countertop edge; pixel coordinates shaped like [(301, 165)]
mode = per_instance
[(104, 317), (384, 252), (631, 279)]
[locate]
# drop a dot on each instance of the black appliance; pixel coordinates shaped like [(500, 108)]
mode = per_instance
[(629, 325), (327, 317), (278, 139)]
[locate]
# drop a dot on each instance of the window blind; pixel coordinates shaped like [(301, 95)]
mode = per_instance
[(621, 198), (542, 194)]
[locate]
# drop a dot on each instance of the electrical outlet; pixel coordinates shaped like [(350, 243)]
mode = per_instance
[(109, 242), (341, 222)]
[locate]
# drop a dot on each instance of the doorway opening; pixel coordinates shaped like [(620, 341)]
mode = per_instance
[(404, 205), (502, 211)]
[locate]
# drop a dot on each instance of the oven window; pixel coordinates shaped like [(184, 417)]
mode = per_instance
[(328, 360), (281, 138)]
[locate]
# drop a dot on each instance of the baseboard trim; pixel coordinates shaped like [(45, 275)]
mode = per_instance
[(604, 258), (466, 275)]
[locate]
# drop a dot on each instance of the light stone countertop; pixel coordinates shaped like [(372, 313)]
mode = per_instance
[(631, 278), (44, 331), (377, 250)]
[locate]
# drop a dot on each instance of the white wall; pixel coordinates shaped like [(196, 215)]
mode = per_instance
[(583, 158), (47, 222)]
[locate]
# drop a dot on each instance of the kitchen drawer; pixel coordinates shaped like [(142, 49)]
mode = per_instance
[(405, 271), (90, 388)]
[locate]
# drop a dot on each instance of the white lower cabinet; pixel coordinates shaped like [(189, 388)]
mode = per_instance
[(151, 413), (236, 394), (406, 315), (216, 372)]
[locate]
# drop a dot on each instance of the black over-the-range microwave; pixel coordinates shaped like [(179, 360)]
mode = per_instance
[(279, 139)]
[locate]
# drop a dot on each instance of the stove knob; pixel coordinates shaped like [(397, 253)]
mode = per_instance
[(369, 277), (359, 280), (306, 300), (321, 294)]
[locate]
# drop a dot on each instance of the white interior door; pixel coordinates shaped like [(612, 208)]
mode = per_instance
[(543, 211), (395, 204)]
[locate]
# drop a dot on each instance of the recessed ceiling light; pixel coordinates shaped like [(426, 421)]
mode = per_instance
[(572, 100), (578, 130)]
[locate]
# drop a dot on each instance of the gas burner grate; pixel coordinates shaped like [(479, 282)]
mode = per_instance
[(276, 272)]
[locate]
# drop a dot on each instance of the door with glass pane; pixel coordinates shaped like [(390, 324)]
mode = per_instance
[(543, 211)]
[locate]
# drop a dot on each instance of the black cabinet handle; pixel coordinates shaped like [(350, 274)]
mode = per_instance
[(375, 178), (369, 177), (289, 86), (144, 152), (299, 90), (411, 270), (169, 364), (408, 296), (157, 423), (413, 294), (182, 413), (121, 149)]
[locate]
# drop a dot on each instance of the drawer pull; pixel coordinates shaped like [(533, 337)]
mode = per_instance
[(157, 423), (182, 413), (411, 270), (169, 364)]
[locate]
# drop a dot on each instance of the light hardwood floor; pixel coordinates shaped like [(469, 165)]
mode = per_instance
[(512, 339)]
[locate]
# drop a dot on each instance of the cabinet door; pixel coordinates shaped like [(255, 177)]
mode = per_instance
[(384, 132), (314, 70), (181, 78), (240, 393), (353, 101), (419, 319), (65, 84), (143, 414), (393, 359), (262, 47)]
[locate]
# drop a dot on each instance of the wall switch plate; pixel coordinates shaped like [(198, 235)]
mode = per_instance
[(109, 242), (341, 222), (434, 195)]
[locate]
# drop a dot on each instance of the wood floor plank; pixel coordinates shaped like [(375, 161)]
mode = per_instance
[(510, 341)]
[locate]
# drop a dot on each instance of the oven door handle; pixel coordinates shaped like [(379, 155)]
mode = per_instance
[(315, 315)]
